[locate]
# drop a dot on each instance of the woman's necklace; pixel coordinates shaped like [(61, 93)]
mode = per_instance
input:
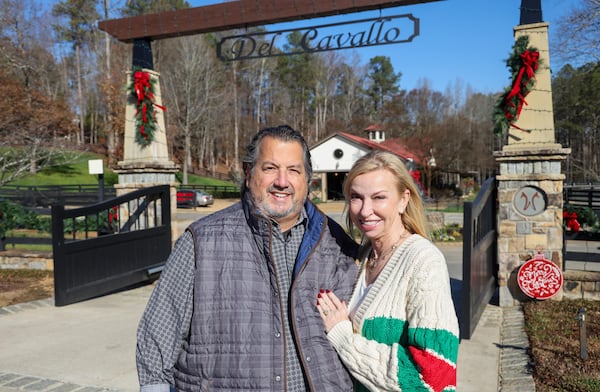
[(374, 259)]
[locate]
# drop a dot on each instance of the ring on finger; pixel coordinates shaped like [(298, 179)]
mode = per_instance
[(325, 312)]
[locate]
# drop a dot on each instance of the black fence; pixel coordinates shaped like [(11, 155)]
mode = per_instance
[(41, 198), (218, 191), (11, 241), (581, 196)]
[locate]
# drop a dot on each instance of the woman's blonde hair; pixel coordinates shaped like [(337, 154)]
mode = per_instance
[(413, 217)]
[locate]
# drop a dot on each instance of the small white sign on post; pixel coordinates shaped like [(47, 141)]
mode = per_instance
[(95, 166)]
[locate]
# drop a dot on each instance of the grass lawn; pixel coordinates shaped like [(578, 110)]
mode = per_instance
[(76, 172)]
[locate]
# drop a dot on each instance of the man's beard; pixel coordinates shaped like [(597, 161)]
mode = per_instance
[(272, 211)]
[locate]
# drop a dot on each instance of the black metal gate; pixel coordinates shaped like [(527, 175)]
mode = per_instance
[(479, 256), (110, 245)]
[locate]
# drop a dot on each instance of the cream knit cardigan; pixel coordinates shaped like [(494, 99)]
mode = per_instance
[(404, 335)]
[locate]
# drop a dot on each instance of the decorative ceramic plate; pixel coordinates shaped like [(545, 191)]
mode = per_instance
[(540, 278)]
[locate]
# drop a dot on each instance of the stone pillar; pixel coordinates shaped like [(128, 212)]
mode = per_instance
[(530, 202), (530, 180), (147, 166), (536, 121)]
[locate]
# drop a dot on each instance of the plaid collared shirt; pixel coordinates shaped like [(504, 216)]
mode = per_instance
[(285, 247)]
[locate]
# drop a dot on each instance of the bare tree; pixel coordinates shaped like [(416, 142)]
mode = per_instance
[(25, 42), (327, 76), (349, 96), (192, 89), (33, 126), (80, 16), (35, 120), (578, 37), (235, 114), (482, 142)]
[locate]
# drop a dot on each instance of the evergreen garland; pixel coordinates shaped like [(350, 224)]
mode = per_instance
[(523, 63), (141, 89)]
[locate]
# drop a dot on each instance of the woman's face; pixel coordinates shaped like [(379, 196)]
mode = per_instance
[(376, 205)]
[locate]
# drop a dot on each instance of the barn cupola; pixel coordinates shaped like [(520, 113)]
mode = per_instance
[(375, 133)]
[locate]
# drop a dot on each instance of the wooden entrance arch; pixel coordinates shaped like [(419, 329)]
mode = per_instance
[(141, 30), (235, 14)]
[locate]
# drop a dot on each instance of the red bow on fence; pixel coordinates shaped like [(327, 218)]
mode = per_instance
[(571, 221)]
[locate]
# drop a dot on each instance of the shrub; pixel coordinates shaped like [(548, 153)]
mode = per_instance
[(448, 233), (14, 216), (586, 217)]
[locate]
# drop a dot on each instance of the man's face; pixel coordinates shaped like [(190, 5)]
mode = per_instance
[(278, 183)]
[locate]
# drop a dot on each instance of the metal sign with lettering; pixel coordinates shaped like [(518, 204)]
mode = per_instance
[(368, 32), (530, 201)]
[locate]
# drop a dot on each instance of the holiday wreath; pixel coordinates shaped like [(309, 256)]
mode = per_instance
[(142, 89), (523, 63)]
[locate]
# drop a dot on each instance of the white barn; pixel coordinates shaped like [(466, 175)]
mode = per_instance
[(333, 157)]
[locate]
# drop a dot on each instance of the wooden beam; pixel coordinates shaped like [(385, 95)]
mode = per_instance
[(235, 14)]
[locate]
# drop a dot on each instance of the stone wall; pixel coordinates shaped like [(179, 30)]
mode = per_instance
[(19, 259), (581, 285)]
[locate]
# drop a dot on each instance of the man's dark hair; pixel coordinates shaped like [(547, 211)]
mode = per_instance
[(284, 133)]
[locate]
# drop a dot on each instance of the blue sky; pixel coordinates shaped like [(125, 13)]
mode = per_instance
[(460, 41)]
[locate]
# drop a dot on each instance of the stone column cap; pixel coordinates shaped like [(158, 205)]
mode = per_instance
[(547, 152), (146, 166)]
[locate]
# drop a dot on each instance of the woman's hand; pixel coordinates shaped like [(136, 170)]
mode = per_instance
[(332, 310)]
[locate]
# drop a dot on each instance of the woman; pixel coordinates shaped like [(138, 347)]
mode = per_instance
[(399, 331)]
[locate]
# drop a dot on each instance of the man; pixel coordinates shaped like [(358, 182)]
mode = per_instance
[(235, 306)]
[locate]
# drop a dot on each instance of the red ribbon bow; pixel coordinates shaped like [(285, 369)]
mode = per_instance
[(141, 85), (529, 65), (571, 221)]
